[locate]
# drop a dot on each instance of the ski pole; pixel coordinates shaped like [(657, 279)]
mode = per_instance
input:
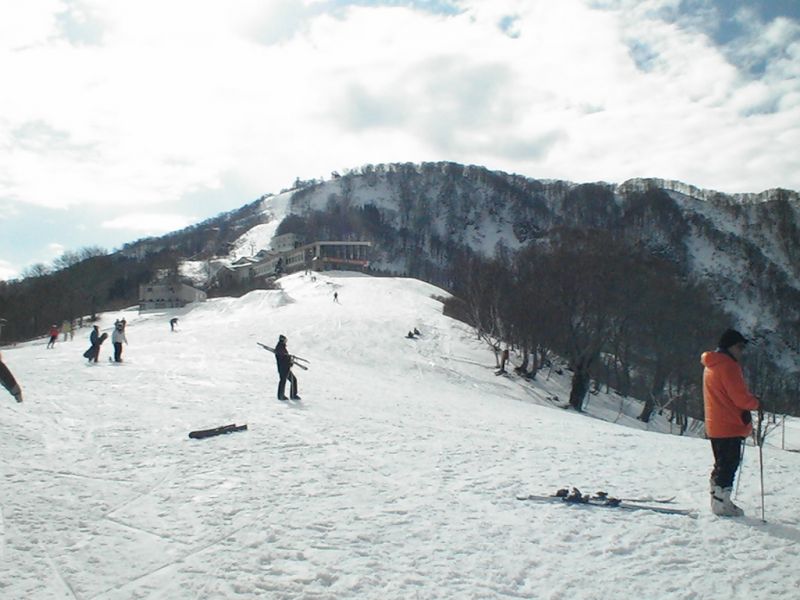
[(739, 468), (761, 458)]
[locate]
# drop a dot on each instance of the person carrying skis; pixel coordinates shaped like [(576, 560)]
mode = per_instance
[(118, 338), (727, 403), (285, 361), (8, 381)]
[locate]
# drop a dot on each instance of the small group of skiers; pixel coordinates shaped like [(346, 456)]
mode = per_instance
[(413, 334), (66, 328)]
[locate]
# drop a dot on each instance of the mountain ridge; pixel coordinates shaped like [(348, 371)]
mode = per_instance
[(745, 247)]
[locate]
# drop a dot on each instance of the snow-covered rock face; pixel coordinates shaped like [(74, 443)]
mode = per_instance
[(745, 247), (395, 477)]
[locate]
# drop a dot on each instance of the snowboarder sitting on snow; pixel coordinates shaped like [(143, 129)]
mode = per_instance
[(727, 403), (285, 362), (8, 381)]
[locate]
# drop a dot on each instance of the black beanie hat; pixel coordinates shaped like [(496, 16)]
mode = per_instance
[(731, 337)]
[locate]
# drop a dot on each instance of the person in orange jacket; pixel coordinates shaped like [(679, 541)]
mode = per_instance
[(727, 403)]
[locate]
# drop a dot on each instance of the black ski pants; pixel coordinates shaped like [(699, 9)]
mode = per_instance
[(727, 456), (117, 351), (284, 376)]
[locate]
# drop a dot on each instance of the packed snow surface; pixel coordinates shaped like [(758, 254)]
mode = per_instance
[(395, 476)]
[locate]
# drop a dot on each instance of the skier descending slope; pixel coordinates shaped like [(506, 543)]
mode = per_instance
[(727, 403), (285, 362)]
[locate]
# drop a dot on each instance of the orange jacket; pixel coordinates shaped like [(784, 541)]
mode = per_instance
[(725, 396)]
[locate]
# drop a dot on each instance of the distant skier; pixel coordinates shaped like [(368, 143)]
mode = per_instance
[(53, 336), (66, 328), (118, 338), (8, 381), (285, 361), (172, 323), (727, 403), (503, 361), (336, 297)]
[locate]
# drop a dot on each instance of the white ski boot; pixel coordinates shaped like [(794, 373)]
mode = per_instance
[(721, 503)]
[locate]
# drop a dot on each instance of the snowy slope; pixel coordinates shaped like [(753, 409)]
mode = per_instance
[(394, 477)]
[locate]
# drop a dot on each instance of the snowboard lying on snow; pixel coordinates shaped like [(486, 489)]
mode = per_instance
[(204, 433), (601, 499)]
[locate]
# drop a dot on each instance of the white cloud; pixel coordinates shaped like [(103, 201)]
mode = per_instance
[(169, 97), (7, 270), (54, 249), (148, 223)]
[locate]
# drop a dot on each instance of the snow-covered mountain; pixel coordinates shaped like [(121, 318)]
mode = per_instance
[(744, 247), (395, 477)]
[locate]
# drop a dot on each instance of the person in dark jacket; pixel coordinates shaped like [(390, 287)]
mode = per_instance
[(8, 381), (727, 403), (285, 362), (96, 341)]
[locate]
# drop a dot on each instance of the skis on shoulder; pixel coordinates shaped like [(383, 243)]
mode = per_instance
[(294, 358), (603, 500)]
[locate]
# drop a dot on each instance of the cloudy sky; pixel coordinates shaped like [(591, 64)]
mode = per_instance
[(124, 119)]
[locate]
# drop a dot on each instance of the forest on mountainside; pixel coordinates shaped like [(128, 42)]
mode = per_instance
[(621, 316), (75, 290)]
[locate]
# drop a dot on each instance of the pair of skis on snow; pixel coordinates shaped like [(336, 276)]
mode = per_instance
[(602, 499), (294, 358)]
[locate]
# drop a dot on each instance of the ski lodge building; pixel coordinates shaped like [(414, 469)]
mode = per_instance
[(288, 254), (168, 295)]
